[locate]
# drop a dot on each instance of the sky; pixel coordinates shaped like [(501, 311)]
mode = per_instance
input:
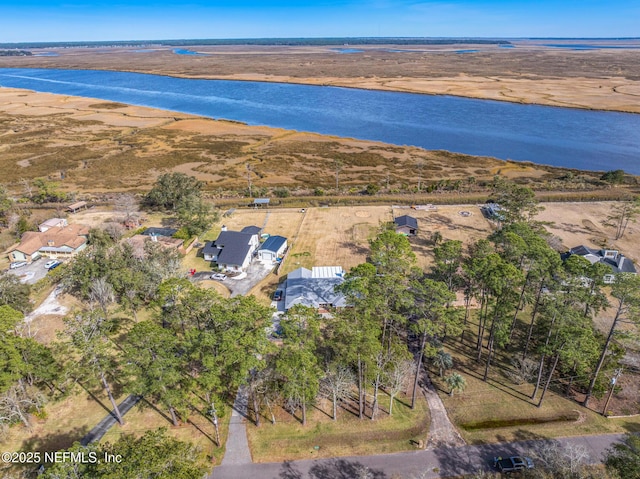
[(100, 20)]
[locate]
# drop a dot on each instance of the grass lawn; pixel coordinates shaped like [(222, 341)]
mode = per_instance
[(498, 410), (289, 440), (197, 430)]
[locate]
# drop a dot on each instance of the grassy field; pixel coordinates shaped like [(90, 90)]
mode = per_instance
[(323, 437)]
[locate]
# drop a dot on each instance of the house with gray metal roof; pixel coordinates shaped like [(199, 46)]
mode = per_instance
[(272, 249), (232, 250), (406, 225), (618, 262), (315, 288)]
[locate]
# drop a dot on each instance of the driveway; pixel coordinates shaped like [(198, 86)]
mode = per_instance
[(33, 272), (244, 282)]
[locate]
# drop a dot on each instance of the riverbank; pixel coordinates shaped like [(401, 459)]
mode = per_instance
[(530, 73), (92, 146)]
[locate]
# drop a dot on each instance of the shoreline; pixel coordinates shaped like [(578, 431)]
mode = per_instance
[(599, 80)]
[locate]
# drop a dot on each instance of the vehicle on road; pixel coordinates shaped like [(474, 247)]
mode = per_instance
[(17, 264), (219, 276), (512, 464), (277, 296), (51, 263)]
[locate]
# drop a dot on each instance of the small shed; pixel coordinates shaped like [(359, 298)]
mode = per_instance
[(76, 206), (261, 202), (406, 225), (272, 249)]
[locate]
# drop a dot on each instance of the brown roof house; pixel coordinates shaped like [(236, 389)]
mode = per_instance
[(55, 242)]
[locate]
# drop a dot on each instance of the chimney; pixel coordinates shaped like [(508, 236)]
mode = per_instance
[(154, 238), (620, 261), (223, 228)]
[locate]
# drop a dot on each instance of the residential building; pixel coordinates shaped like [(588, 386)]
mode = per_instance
[(315, 288), (232, 250), (618, 262), (55, 242)]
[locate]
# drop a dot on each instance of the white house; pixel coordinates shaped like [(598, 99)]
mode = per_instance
[(272, 249), (232, 250)]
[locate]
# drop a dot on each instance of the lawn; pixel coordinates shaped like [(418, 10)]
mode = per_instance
[(499, 411), (323, 437)]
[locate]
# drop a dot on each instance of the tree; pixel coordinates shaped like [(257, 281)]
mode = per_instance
[(448, 259), (127, 205), (47, 192), (93, 358), (626, 289), (15, 294), (397, 376), (624, 457), (518, 202), (613, 176), (155, 364), (296, 362), (442, 361), (622, 214), (455, 382), (6, 203), (195, 215), (432, 319), (336, 385), (171, 190), (154, 455)]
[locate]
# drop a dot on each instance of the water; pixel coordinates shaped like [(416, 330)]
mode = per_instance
[(583, 139), (182, 51), (347, 50), (589, 46)]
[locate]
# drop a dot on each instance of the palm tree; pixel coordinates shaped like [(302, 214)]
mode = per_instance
[(456, 382), (442, 361)]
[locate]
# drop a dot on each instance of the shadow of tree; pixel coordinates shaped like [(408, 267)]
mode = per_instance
[(289, 471), (54, 441), (344, 469)]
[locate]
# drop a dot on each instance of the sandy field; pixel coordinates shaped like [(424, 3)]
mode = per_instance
[(605, 79)]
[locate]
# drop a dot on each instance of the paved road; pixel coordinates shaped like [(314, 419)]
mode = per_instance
[(429, 464), (103, 426), (237, 447)]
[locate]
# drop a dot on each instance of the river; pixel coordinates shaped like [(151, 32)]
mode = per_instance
[(583, 139)]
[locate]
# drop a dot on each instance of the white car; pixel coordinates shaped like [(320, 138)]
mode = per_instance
[(219, 276), (51, 264), (17, 264)]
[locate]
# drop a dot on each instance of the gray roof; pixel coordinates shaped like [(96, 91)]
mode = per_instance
[(626, 267), (273, 243), (406, 220), (252, 230), (261, 201), (235, 247), (302, 288), (153, 231), (210, 248)]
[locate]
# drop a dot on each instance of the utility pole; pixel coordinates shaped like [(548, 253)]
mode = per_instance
[(249, 178), (614, 380)]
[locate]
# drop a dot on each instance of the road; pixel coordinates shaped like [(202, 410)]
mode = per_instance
[(425, 464)]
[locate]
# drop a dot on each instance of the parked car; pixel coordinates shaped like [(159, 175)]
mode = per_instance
[(277, 296), (17, 264), (219, 276), (58, 263), (512, 464), (51, 263)]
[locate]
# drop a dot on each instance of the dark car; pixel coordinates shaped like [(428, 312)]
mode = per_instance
[(54, 266), (277, 296), (512, 464)]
